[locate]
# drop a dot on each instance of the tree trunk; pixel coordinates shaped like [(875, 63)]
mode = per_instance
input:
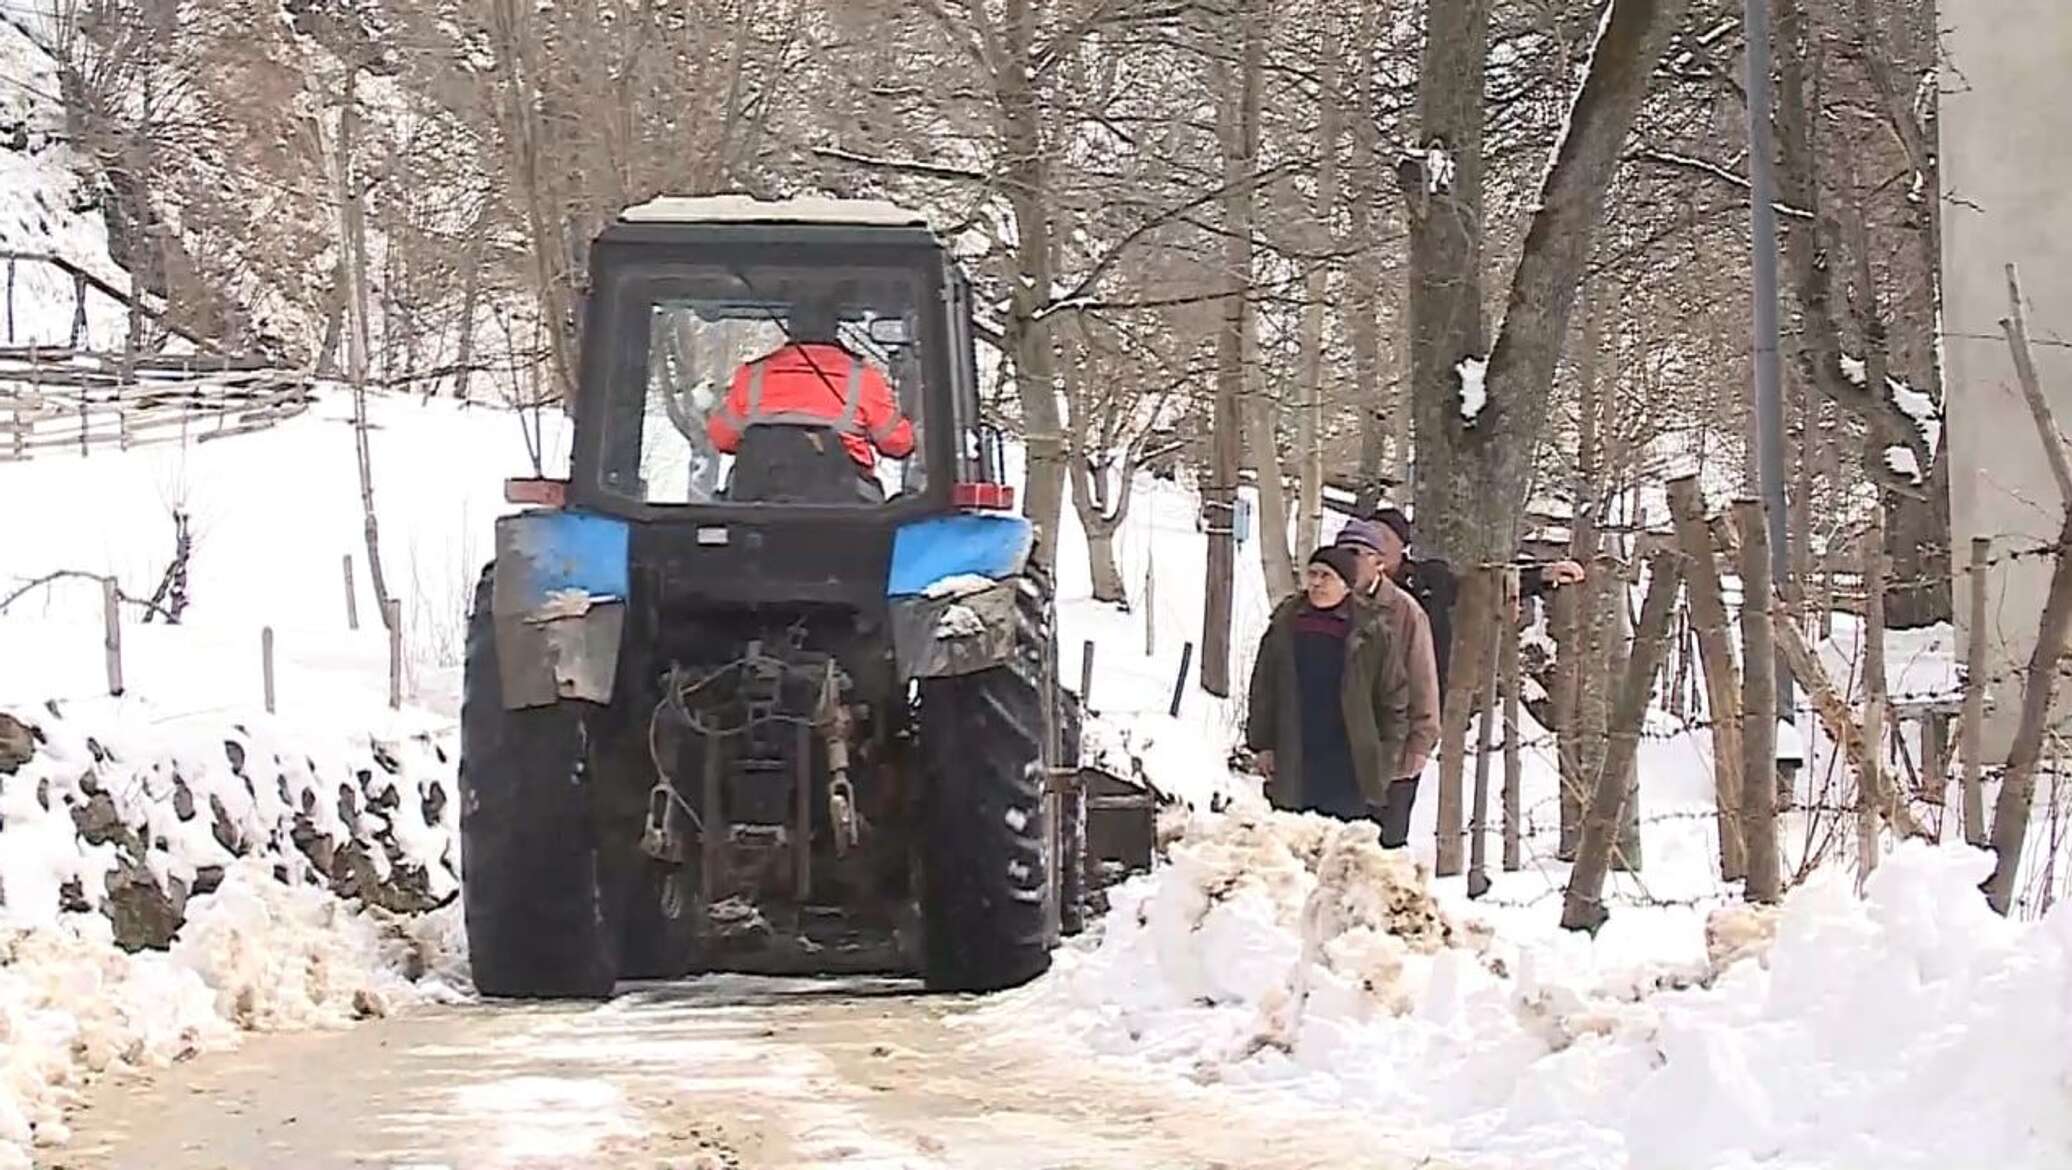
[(1455, 520), (1096, 523), (1722, 676), (1583, 907), (1472, 476), (1237, 129), (1274, 557), (1027, 179), (1309, 441), (1758, 707), (1363, 288)]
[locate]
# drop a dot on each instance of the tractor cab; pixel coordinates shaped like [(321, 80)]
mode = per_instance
[(747, 359)]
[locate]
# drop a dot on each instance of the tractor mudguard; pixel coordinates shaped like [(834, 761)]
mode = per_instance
[(559, 605), (963, 629), (962, 544), (951, 613)]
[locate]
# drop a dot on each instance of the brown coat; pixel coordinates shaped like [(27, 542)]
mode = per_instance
[(1410, 631), (1374, 699)]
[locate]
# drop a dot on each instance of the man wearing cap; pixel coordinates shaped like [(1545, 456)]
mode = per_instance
[(1436, 588), (1410, 634), (1329, 710)]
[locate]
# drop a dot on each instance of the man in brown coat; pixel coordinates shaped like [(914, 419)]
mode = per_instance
[(1410, 633), (1329, 704)]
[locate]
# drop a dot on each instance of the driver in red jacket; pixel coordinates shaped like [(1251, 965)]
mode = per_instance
[(814, 379)]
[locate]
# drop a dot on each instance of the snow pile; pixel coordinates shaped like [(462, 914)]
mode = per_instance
[(255, 955), (1909, 1028), (1474, 387), (124, 808)]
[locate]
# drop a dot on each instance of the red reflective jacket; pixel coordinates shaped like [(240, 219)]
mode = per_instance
[(815, 383)]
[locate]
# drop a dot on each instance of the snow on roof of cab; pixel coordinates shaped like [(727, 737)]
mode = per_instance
[(747, 209)]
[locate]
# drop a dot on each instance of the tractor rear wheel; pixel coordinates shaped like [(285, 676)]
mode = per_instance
[(530, 889), (984, 873)]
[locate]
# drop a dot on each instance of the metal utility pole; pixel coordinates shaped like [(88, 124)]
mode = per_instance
[(1769, 402)]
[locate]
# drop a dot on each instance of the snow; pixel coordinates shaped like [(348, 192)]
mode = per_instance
[(1919, 407), (1474, 387), (1439, 168), (958, 585), (747, 209), (1902, 462), (959, 621), (255, 955), (1910, 1028)]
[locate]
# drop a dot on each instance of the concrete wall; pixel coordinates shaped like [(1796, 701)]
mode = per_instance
[(2006, 128)]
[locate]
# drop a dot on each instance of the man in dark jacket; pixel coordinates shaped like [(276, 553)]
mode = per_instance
[(1436, 588), (1329, 708)]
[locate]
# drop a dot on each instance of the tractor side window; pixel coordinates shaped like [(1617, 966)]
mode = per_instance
[(759, 389)]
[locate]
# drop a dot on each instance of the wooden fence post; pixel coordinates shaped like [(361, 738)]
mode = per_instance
[(1513, 669), (1086, 673), (1150, 609), (1583, 904), (352, 600), (1708, 610), (1474, 632), (111, 620), (1876, 694), (1180, 680), (1758, 707), (266, 675), (394, 610), (1974, 731), (1489, 652)]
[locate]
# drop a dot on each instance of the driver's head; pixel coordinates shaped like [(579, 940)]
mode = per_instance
[(813, 319)]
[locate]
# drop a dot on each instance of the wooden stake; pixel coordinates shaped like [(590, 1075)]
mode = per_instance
[(111, 620), (394, 621), (352, 600), (266, 664), (1708, 609), (1513, 770), (1840, 722), (1086, 673), (1180, 680), (1490, 652), (1583, 906), (1150, 609), (1876, 697), (1480, 590), (1758, 707), (1973, 732), (2017, 331), (2012, 807)]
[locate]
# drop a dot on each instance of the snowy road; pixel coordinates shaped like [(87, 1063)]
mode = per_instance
[(726, 1073)]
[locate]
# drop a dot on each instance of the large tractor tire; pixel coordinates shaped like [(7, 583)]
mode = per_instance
[(530, 888), (984, 875)]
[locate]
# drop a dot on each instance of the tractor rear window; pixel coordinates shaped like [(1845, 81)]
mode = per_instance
[(776, 387)]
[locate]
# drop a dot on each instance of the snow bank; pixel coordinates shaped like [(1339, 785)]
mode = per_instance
[(255, 955), (1908, 1028), (127, 808)]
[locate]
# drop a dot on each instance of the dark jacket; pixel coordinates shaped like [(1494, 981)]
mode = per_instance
[(1436, 587), (1374, 699)]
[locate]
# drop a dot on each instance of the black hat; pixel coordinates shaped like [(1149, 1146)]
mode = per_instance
[(1340, 560), (1396, 520)]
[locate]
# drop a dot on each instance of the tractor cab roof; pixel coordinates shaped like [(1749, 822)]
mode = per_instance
[(722, 209)]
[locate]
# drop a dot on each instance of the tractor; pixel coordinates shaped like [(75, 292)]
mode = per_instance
[(762, 710)]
